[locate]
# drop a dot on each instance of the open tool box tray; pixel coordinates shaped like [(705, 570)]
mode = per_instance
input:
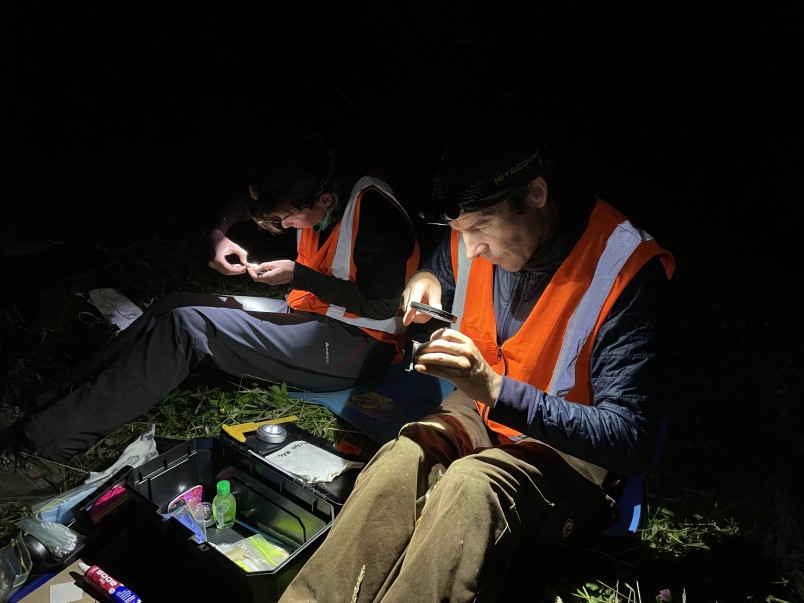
[(158, 559)]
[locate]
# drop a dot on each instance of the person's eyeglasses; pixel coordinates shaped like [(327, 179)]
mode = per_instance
[(305, 205)]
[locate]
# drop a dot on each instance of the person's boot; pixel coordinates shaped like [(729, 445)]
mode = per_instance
[(9, 414), (24, 477)]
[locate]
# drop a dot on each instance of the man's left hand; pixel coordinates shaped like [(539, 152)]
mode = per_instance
[(453, 356)]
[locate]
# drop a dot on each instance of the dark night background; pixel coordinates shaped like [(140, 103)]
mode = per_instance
[(124, 119), (687, 117)]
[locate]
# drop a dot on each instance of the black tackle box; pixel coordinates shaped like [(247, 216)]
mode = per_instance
[(159, 559)]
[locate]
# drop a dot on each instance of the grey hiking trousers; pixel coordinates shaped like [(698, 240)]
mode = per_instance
[(243, 336), (395, 541)]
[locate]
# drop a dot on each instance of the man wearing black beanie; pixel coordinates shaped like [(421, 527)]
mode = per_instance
[(561, 313)]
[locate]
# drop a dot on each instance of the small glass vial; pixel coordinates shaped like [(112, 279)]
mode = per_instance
[(224, 505)]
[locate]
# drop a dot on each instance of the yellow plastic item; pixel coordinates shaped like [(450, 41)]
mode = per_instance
[(238, 432)]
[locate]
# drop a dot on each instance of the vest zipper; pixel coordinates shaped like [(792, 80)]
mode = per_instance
[(501, 356)]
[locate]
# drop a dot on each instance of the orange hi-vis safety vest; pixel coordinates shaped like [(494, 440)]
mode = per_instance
[(336, 258), (553, 348)]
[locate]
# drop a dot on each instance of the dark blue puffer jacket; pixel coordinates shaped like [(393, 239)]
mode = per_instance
[(618, 432)]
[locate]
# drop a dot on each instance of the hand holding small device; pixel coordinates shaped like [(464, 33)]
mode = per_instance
[(434, 312), (453, 356), (423, 289), (275, 272)]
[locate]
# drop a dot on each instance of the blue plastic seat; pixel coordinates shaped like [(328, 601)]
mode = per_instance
[(630, 492)]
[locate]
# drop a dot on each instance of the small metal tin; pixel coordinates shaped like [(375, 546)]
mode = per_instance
[(273, 434)]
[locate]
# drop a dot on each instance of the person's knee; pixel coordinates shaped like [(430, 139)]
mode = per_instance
[(460, 426), (184, 320), (468, 480), (394, 469), (185, 329), (399, 455)]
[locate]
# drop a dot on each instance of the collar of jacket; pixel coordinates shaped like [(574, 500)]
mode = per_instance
[(571, 222)]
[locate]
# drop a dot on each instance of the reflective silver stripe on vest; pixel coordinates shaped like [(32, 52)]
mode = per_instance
[(619, 247), (342, 260), (391, 325), (461, 282)]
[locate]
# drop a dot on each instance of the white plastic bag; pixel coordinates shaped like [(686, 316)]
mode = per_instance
[(309, 462)]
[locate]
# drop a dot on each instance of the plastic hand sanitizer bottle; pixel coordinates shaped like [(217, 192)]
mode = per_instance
[(224, 505)]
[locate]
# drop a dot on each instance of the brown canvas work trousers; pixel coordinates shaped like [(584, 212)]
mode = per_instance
[(403, 536)]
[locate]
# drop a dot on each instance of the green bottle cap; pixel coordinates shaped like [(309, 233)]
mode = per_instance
[(223, 487)]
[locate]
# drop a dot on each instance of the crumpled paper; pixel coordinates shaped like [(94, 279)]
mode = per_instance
[(310, 463), (114, 306), (60, 507), (140, 451)]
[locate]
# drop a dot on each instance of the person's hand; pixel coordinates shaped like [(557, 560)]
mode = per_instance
[(222, 246), (277, 272), (453, 356), (425, 288)]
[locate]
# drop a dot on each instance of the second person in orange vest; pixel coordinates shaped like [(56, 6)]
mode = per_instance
[(339, 325)]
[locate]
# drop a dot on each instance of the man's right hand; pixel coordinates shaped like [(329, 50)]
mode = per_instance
[(223, 246), (422, 287)]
